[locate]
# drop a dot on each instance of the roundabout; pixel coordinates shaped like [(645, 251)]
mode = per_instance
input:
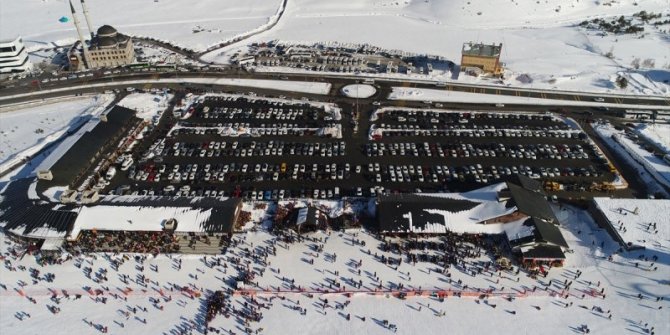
[(359, 91)]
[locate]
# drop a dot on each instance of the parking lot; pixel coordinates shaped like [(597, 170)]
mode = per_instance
[(265, 149)]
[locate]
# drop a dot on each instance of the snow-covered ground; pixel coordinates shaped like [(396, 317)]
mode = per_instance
[(543, 45), (437, 95), (146, 104), (26, 129), (541, 39), (155, 306), (170, 20), (640, 222), (658, 133), (359, 91)]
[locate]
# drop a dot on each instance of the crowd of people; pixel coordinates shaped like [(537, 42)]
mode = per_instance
[(453, 258), (125, 241)]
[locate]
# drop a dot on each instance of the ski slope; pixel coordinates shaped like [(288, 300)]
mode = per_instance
[(170, 310)]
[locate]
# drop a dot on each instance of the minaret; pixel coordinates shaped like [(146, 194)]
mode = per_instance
[(88, 19), (81, 37)]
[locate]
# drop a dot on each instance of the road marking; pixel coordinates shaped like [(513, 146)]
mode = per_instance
[(577, 98)]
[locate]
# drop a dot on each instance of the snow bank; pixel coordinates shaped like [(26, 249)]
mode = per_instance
[(146, 104), (435, 95), (657, 133)]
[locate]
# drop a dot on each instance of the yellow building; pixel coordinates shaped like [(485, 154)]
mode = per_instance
[(481, 58)]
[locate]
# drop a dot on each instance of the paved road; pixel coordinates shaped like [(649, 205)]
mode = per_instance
[(337, 81)]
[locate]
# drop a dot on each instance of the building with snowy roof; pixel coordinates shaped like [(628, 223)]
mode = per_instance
[(527, 183), (155, 214), (415, 213), (33, 218), (306, 219), (521, 213), (536, 240), (527, 202), (13, 56)]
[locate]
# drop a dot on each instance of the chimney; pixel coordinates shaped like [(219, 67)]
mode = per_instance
[(88, 19), (81, 37)]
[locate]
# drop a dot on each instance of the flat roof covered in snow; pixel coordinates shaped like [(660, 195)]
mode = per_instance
[(192, 215), (409, 212)]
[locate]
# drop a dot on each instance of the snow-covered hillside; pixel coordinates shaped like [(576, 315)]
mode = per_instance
[(172, 20), (543, 44), (539, 41)]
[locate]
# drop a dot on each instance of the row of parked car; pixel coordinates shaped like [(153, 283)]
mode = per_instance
[(456, 150), (276, 129), (252, 149), (235, 172), (468, 173), (248, 193), (265, 113), (466, 126), (498, 133), (251, 99), (423, 116)]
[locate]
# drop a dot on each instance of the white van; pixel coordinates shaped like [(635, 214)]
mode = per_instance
[(127, 163), (111, 172)]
